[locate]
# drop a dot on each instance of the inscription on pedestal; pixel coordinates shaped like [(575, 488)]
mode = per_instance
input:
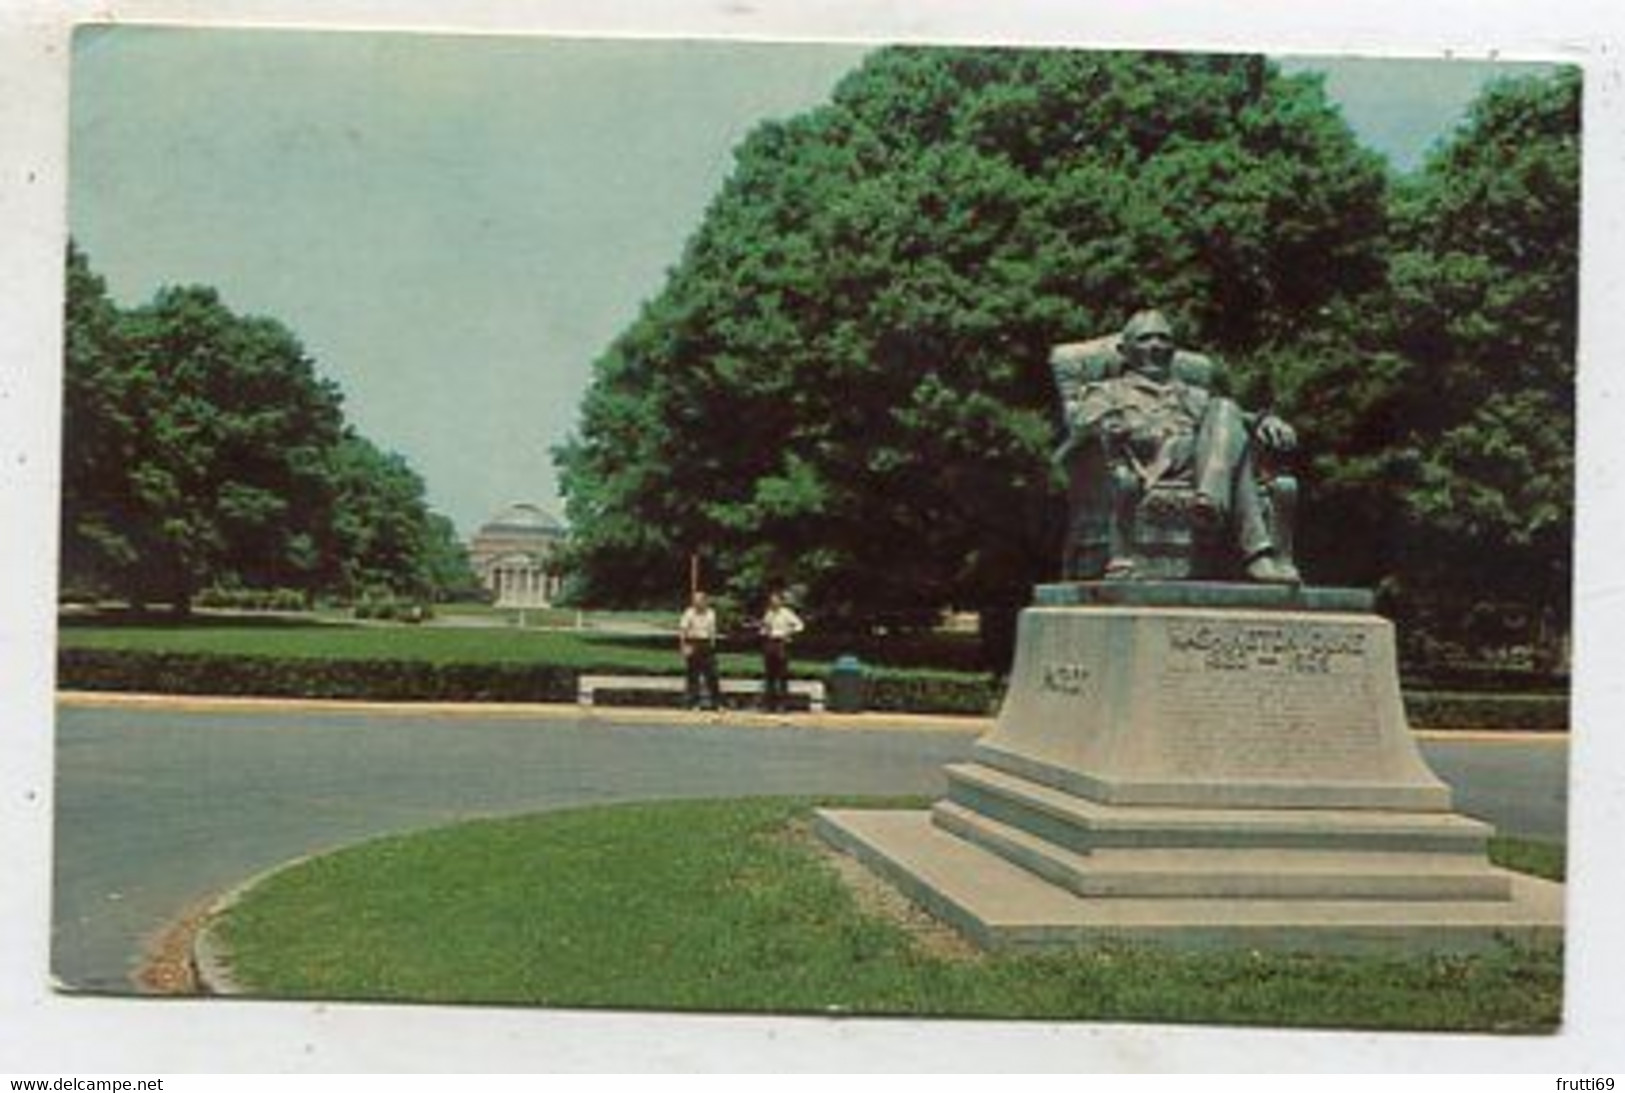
[(1305, 649), (1066, 678), (1271, 700)]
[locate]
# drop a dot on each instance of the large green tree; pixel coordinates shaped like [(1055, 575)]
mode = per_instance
[(201, 455), (844, 383), (1486, 283), (203, 448), (1440, 410), (385, 537), (98, 434)]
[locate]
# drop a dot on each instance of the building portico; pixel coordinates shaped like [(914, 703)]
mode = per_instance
[(515, 555)]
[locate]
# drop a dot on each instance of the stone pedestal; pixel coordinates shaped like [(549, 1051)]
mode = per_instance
[(1202, 764)]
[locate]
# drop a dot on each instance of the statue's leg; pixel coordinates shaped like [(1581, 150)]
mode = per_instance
[(1253, 536), (1283, 516), (1222, 450), (1266, 554), (1125, 490), (1227, 489)]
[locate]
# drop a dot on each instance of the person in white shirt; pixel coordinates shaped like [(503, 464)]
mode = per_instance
[(779, 625), (697, 638)]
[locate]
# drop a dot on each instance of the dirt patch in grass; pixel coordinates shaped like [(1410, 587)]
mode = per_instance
[(877, 897), (166, 967)]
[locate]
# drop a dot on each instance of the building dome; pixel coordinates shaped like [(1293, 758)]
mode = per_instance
[(524, 517)]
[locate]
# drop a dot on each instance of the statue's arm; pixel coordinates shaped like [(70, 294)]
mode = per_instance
[(1204, 371), (1272, 432)]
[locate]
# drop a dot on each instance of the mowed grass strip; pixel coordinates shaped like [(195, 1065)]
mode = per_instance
[(730, 905)]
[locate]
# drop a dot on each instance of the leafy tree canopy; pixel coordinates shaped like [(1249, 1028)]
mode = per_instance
[(203, 448), (844, 384), (1452, 448), (1486, 301)]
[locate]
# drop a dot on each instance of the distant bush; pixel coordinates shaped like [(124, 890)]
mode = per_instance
[(251, 599), (1510, 712), (918, 692), (393, 610)]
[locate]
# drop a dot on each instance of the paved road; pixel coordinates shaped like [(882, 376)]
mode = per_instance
[(160, 808)]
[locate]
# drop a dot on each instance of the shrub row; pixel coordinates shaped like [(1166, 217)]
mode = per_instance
[(1446, 710), (252, 599), (415, 680), (1425, 709), (418, 680), (393, 610), (901, 692), (297, 677)]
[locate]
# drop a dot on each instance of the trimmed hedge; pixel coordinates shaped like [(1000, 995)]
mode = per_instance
[(425, 681), (394, 610), (899, 692), (289, 677), (1453, 710), (251, 599)]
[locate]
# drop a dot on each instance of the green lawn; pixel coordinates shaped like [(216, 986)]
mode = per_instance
[(729, 905), (565, 648)]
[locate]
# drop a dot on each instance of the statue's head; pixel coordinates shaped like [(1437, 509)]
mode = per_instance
[(1148, 344)]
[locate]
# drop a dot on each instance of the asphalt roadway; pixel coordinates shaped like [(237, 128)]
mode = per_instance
[(162, 805)]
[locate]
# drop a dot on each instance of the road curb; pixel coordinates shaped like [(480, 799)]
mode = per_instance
[(835, 722), (210, 956), (673, 718)]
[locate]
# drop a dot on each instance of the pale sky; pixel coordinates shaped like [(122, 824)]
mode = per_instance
[(456, 227)]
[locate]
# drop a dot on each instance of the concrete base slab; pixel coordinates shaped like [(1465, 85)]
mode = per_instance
[(1001, 905)]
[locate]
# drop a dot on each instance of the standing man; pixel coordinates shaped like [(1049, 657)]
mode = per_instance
[(779, 625), (697, 638)]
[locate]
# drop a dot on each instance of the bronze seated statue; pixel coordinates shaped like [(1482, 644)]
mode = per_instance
[(1168, 479)]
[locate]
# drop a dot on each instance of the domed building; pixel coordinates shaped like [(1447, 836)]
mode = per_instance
[(515, 555)]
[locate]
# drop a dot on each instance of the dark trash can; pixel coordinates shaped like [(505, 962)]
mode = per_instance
[(848, 689)]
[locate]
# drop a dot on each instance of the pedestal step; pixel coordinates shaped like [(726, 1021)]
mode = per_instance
[(1079, 824), (1229, 873), (1001, 905)]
